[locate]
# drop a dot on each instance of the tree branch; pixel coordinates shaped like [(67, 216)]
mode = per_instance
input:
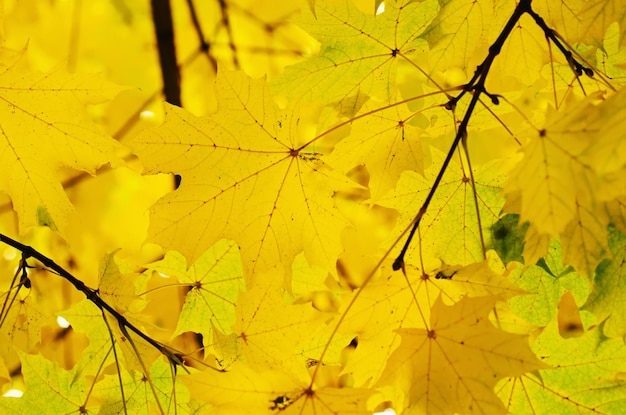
[(164, 31), (92, 294), (475, 86)]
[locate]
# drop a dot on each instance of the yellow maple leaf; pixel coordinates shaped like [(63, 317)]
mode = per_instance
[(394, 301), (45, 128), (454, 365), (384, 142), (247, 175), (121, 288), (273, 333), (244, 390)]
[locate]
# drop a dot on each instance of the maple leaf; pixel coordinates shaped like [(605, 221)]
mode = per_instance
[(454, 35), (160, 394), (507, 238), (581, 21), (546, 281), (121, 288), (608, 288), (51, 390), (359, 53), (215, 280), (394, 301), (449, 230), (49, 105), (462, 356), (348, 141), (385, 142), (23, 323), (273, 333), (568, 174), (246, 175), (87, 319), (587, 376), (244, 390)]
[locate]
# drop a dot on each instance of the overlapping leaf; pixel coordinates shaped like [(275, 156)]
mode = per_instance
[(569, 171), (51, 390), (462, 27), (385, 143), (161, 393), (582, 21), (244, 390), (461, 356), (272, 333), (215, 280), (545, 284), (393, 302), (606, 299)]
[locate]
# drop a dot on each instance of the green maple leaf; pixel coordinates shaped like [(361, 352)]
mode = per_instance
[(546, 282), (160, 394), (507, 238), (50, 390), (215, 280), (609, 286), (449, 230), (587, 376), (359, 53)]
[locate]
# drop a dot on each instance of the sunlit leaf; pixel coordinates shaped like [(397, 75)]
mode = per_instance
[(254, 181), (49, 129), (462, 355)]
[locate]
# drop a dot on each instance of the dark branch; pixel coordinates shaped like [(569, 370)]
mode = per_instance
[(91, 294), (476, 86), (164, 30), (552, 35)]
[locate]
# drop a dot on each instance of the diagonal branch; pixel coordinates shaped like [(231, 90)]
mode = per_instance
[(476, 87), (92, 295)]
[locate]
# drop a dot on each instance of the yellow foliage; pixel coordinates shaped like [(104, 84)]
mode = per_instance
[(358, 206)]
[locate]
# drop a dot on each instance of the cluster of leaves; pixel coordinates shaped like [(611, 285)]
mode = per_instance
[(357, 206)]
